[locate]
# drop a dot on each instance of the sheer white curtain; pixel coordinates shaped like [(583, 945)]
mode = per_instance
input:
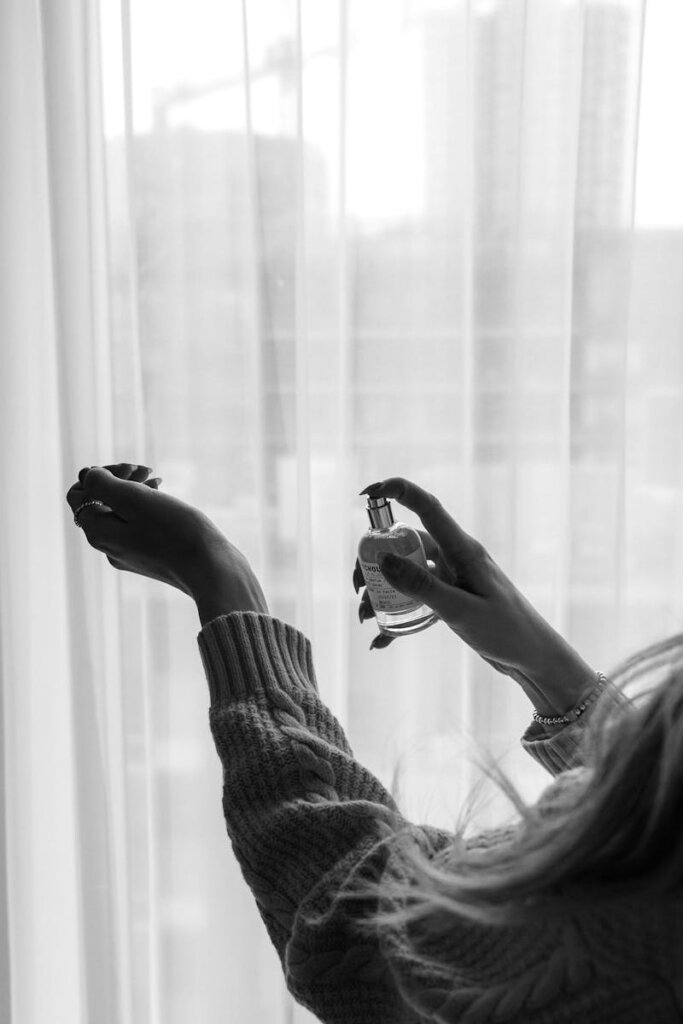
[(277, 251)]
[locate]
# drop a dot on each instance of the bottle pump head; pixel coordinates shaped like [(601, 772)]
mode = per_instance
[(379, 513)]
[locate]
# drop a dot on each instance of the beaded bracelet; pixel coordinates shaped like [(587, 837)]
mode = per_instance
[(571, 716)]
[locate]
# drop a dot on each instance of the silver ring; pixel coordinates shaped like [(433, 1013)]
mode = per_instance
[(85, 504)]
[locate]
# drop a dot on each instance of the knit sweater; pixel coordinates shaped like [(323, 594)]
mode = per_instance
[(305, 818)]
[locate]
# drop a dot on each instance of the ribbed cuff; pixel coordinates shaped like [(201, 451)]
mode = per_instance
[(561, 747), (247, 653)]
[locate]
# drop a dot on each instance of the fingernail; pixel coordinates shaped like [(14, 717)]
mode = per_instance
[(371, 487)]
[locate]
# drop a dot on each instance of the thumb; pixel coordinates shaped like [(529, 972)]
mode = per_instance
[(415, 581)]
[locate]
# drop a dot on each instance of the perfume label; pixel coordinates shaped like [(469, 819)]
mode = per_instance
[(383, 596)]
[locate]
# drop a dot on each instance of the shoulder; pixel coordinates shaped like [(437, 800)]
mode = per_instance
[(479, 973)]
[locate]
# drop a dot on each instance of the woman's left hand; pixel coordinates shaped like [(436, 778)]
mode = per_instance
[(143, 530)]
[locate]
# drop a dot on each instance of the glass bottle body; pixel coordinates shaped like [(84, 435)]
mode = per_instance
[(396, 614)]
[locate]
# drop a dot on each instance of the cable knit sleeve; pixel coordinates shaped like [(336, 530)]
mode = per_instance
[(302, 815)]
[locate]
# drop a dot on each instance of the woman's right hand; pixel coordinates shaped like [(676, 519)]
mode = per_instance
[(473, 596)]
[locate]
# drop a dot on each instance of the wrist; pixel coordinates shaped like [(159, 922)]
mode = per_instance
[(210, 610), (560, 686), (220, 591), (211, 606)]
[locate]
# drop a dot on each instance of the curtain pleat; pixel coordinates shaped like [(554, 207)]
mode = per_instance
[(465, 480), (304, 569), (257, 425), (39, 82), (344, 552), (626, 394)]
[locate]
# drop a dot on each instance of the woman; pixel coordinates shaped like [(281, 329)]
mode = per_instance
[(572, 914)]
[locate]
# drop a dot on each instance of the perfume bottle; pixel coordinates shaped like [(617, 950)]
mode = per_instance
[(396, 614)]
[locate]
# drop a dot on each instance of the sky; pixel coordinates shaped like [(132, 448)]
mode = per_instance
[(202, 41), (659, 189)]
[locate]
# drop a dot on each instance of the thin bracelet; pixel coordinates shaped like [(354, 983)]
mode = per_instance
[(571, 716)]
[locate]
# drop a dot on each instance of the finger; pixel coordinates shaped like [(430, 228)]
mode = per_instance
[(381, 640), (129, 471), (78, 493), (122, 470), (431, 549), (140, 474), (459, 549), (100, 525), (74, 496), (154, 483), (365, 609), (118, 494), (453, 603)]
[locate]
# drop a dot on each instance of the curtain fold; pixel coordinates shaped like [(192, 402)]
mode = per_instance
[(276, 252), (41, 881)]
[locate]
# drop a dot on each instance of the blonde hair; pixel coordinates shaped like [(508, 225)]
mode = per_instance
[(620, 831)]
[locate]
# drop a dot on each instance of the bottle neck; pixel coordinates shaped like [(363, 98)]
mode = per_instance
[(380, 514)]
